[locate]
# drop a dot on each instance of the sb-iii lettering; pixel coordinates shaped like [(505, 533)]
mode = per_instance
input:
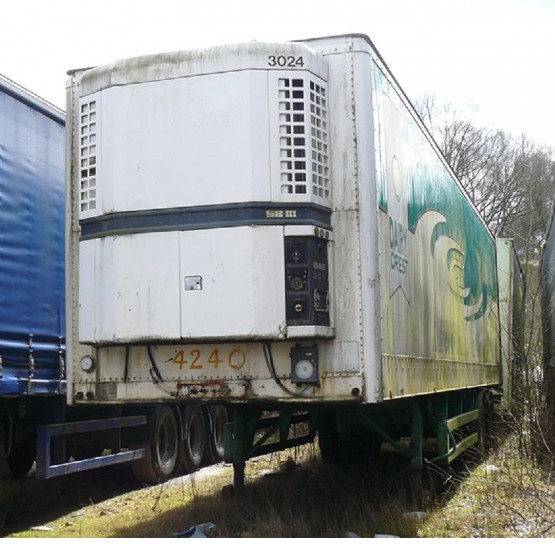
[(281, 213)]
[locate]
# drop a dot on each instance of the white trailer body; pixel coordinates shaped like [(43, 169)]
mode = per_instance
[(511, 307), (268, 222)]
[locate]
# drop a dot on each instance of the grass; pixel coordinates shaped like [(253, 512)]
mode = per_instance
[(510, 495), (282, 499), (294, 495)]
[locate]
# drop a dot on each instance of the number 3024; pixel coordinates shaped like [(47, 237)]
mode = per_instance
[(285, 61)]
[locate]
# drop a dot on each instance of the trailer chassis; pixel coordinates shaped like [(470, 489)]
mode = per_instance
[(451, 423)]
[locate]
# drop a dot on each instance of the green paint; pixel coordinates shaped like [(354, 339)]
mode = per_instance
[(436, 190), (432, 188)]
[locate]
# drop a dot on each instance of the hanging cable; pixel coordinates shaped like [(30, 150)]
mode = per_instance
[(271, 367), (154, 367), (126, 367)]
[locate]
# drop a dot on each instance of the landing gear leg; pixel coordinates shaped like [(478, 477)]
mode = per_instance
[(239, 433), (239, 445), (416, 461)]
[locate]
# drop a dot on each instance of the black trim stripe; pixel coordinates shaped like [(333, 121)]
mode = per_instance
[(205, 217)]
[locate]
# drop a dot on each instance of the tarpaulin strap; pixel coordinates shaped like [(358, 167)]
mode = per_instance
[(31, 363), (61, 363)]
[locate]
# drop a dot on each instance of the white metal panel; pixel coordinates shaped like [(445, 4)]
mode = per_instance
[(356, 290), (127, 292), (370, 271), (186, 142), (214, 371), (88, 300), (347, 300), (146, 303), (243, 282), (218, 59)]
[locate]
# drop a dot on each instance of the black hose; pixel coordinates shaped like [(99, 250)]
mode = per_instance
[(270, 363), (126, 367), (154, 368)]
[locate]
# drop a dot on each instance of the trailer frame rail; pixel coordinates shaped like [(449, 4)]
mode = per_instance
[(46, 434)]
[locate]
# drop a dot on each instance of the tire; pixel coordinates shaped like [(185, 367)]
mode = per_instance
[(160, 459), (21, 458), (193, 446), (219, 417)]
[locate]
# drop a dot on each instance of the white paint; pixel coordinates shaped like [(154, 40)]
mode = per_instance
[(243, 283), (129, 288), (152, 159)]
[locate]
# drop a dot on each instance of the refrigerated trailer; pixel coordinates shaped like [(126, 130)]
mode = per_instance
[(269, 226)]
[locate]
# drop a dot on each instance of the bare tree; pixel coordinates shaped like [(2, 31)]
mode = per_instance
[(510, 180)]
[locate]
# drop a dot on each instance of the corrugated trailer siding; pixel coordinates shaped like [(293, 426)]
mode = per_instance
[(31, 241), (440, 327), (548, 301), (511, 290)]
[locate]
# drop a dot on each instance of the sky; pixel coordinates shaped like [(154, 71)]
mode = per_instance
[(493, 60)]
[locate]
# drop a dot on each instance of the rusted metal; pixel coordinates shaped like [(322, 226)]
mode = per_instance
[(203, 389)]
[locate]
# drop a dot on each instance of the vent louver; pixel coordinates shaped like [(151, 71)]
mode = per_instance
[(303, 138), (88, 157)]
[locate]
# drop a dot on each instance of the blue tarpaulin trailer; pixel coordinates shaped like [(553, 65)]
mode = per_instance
[(32, 317)]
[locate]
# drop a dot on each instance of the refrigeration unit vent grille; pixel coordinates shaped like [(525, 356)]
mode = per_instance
[(319, 141), (303, 138), (88, 157)]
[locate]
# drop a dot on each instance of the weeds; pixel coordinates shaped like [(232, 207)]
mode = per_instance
[(294, 495), (509, 495)]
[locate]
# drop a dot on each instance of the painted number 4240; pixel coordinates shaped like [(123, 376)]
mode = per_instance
[(195, 359)]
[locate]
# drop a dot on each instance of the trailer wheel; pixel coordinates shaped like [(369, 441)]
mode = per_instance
[(159, 462), (21, 458), (219, 417), (193, 446)]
